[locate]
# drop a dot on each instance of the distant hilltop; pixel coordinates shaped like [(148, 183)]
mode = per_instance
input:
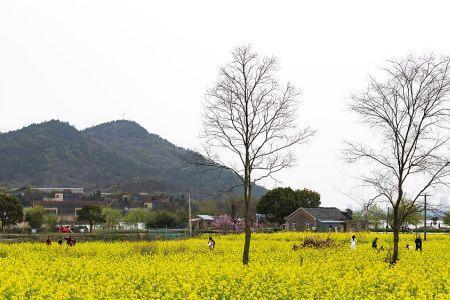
[(118, 155)]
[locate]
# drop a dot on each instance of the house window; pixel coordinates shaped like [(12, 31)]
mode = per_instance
[(294, 226)]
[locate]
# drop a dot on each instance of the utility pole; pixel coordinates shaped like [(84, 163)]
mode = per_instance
[(387, 220), (190, 223), (425, 216)]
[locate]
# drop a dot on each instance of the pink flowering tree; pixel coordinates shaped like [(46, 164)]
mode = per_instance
[(224, 224)]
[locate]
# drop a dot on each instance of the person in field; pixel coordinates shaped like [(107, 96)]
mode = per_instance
[(211, 243), (60, 241), (48, 241), (375, 243), (70, 241), (407, 247), (418, 242), (353, 243)]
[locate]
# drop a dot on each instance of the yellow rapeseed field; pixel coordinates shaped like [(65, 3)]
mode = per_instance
[(187, 269)]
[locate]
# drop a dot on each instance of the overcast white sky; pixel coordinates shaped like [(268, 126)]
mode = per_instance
[(88, 62)]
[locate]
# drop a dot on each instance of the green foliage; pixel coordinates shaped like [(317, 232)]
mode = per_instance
[(91, 214), (414, 218), (112, 216), (408, 213), (50, 220), (35, 216), (137, 215), (278, 203), (307, 198), (161, 219), (446, 218), (376, 215), (96, 196), (10, 211), (55, 153), (209, 207), (231, 205)]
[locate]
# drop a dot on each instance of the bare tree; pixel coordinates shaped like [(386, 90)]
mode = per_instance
[(409, 111), (251, 118)]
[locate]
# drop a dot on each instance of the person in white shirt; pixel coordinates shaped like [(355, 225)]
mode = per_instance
[(353, 243)]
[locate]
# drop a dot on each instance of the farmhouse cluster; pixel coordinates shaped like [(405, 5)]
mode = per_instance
[(65, 203)]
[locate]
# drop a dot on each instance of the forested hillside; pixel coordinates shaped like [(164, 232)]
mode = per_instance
[(115, 155)]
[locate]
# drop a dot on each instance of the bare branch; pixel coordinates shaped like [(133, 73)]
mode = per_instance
[(410, 109)]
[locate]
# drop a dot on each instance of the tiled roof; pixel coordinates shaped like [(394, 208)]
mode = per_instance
[(206, 217), (326, 213)]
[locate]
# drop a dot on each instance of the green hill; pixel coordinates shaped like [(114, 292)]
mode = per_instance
[(115, 155)]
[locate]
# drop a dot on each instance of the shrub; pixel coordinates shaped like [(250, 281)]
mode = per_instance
[(317, 242)]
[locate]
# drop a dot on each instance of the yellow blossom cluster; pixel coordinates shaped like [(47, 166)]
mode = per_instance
[(187, 269)]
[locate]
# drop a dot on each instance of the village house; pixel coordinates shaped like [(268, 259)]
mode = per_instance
[(27, 195), (60, 194), (202, 222), (66, 210), (63, 202), (323, 219), (128, 201)]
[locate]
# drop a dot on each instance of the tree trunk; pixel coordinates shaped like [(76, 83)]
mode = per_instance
[(395, 229), (90, 226), (248, 234), (248, 221)]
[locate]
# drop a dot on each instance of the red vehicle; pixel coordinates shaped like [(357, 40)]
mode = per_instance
[(64, 229)]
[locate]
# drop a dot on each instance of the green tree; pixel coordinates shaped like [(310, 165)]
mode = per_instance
[(97, 196), (50, 220), (35, 216), (136, 216), (307, 198), (278, 203), (10, 211), (413, 218), (91, 214), (160, 219), (408, 213), (112, 216), (232, 203), (446, 218), (375, 215), (209, 207)]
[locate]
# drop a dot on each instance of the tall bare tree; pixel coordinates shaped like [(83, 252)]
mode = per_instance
[(409, 111), (251, 119)]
